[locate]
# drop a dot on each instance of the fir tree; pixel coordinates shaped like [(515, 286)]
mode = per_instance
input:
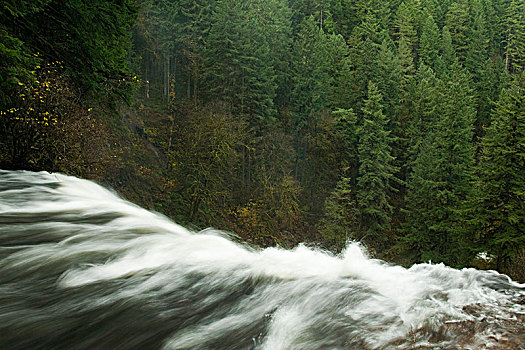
[(239, 69), (419, 114), (406, 26), (406, 61), (376, 171), (515, 49), (440, 181), (311, 85), (364, 44), (430, 43), (499, 199), (448, 57), (339, 215)]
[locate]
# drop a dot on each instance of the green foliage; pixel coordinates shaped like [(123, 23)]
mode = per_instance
[(311, 86), (240, 70), (430, 46), (282, 120), (406, 26), (419, 111), (340, 216), (15, 67), (375, 171), (90, 39), (498, 222), (458, 24), (311, 68), (204, 158), (45, 127), (440, 181), (515, 48)]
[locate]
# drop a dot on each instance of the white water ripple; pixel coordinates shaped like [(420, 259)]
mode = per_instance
[(82, 268)]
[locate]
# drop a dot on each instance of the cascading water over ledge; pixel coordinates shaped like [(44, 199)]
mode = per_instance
[(81, 268)]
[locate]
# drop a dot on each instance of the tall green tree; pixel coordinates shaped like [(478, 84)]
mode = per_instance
[(311, 85), (430, 43), (498, 223), (239, 70), (376, 172), (440, 181), (274, 21), (459, 25), (409, 18), (515, 48), (448, 56), (364, 45), (339, 221), (419, 112)]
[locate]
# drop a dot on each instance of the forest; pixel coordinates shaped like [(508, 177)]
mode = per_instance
[(398, 124)]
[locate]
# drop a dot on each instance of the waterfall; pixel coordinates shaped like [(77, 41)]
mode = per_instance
[(81, 268)]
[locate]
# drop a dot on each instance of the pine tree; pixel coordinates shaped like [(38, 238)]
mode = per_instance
[(388, 81), (406, 27), (239, 70), (448, 57), (419, 113), (429, 43), (515, 49), (424, 208), (434, 8), (339, 215), (480, 66), (389, 84), (373, 8), (376, 171), (311, 86), (458, 24), (406, 61), (440, 181), (364, 45), (274, 21), (189, 25), (499, 201), (477, 45)]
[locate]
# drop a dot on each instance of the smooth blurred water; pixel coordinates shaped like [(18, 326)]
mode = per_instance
[(81, 268)]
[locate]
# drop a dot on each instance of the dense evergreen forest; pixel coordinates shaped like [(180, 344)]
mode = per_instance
[(400, 124)]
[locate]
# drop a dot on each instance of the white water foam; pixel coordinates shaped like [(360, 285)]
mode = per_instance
[(298, 295)]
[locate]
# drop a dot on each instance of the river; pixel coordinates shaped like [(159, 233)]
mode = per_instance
[(81, 268)]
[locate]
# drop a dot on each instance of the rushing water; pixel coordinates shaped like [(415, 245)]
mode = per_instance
[(81, 268)]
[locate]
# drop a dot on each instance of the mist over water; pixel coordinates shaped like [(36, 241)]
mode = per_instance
[(81, 268)]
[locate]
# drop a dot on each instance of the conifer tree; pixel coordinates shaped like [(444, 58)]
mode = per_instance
[(189, 27), (448, 57), (389, 84), (311, 85), (499, 200), (239, 70), (406, 26), (406, 61), (458, 24), (429, 43), (388, 81), (477, 45), (376, 171), (440, 181), (364, 45), (274, 21), (480, 66), (418, 114), (340, 213), (515, 48), (434, 8)]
